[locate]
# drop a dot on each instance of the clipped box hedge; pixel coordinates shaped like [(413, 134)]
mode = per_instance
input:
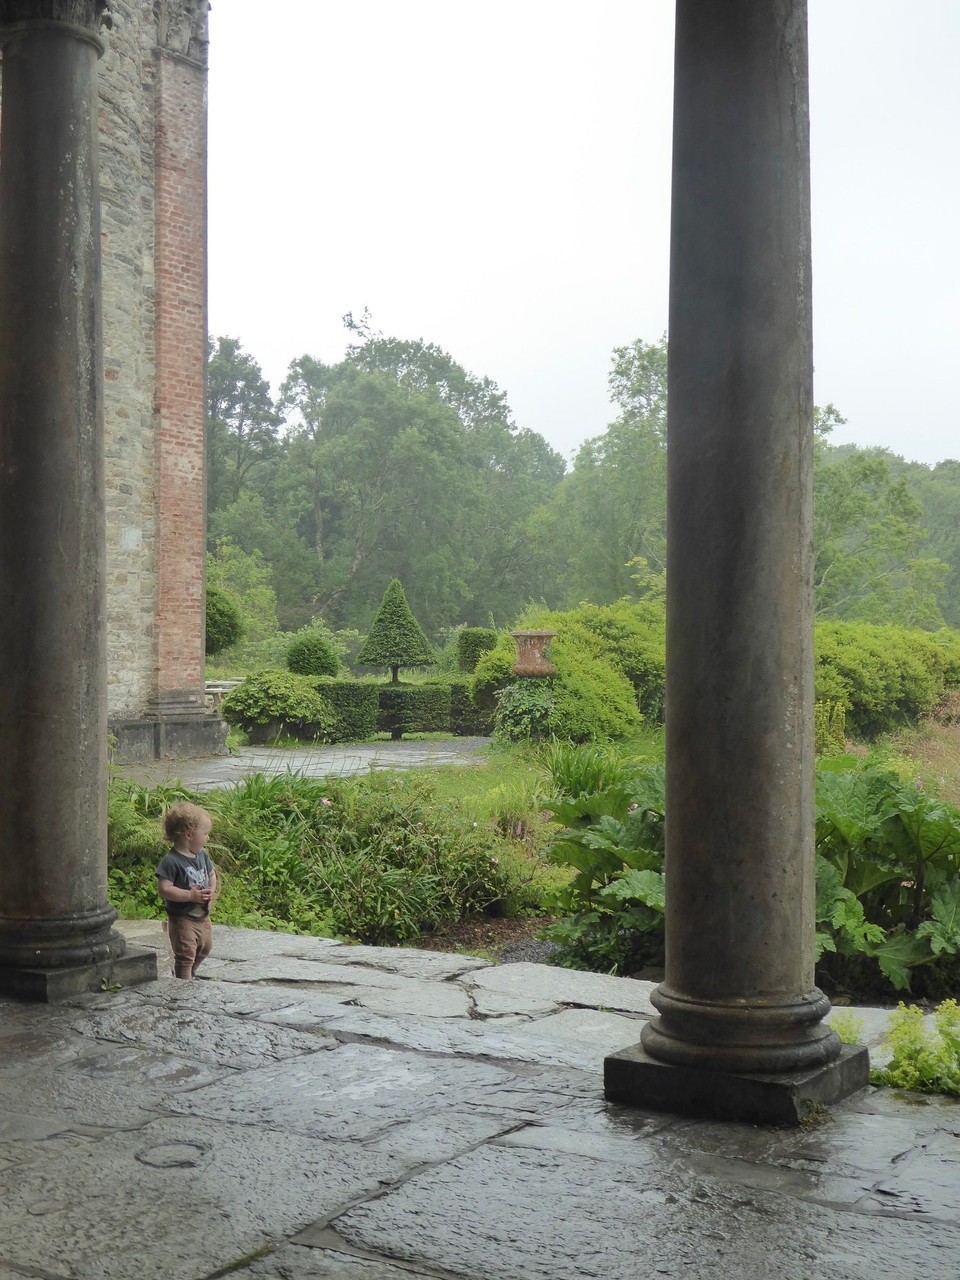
[(413, 708), (467, 718), (472, 644), (355, 705)]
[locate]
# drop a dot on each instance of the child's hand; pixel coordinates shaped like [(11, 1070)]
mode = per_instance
[(202, 895)]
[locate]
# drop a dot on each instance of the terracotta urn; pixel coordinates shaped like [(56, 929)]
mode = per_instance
[(530, 660)]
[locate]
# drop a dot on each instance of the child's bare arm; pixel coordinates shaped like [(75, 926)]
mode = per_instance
[(171, 893)]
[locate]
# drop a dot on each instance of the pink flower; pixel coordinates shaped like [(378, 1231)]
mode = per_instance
[(326, 803)]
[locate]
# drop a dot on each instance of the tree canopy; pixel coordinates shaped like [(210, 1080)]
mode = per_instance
[(398, 463)]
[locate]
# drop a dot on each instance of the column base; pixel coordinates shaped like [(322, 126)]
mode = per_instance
[(785, 1097), (47, 986), (168, 737)]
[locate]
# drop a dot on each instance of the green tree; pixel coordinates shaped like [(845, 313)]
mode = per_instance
[(871, 563), (938, 491), (269, 529), (383, 487), (396, 638), (516, 469), (242, 423), (401, 464), (248, 581), (611, 509)]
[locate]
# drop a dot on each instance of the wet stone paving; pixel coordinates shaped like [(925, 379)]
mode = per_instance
[(315, 1111)]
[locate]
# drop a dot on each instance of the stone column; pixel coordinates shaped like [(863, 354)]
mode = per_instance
[(56, 934), (740, 1031)]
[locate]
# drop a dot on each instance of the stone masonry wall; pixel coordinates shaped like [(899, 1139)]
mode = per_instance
[(152, 122), (127, 74)]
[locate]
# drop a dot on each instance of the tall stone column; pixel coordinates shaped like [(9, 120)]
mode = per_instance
[(741, 1030), (56, 934)]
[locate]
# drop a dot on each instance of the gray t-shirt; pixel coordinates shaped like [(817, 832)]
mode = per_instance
[(186, 872)]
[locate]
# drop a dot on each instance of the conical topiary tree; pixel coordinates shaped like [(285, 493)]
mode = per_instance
[(396, 638)]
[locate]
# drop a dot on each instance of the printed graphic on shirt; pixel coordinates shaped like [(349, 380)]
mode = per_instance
[(197, 877)]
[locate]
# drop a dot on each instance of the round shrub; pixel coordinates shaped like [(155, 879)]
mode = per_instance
[(274, 702), (224, 624), (883, 676), (589, 699), (635, 635), (312, 654)]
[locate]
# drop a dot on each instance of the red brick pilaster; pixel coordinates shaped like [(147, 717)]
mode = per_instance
[(181, 338)]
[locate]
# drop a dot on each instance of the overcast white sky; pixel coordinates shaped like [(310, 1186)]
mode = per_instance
[(495, 178)]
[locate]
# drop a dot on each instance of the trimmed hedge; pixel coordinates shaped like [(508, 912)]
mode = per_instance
[(312, 654), (355, 705), (467, 718), (413, 708), (472, 644), (884, 677), (224, 623)]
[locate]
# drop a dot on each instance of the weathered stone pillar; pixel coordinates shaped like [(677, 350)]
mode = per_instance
[(740, 1031), (56, 934)]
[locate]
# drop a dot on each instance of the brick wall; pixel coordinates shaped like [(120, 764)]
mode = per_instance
[(180, 176)]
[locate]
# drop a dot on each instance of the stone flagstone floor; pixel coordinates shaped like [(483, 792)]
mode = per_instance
[(315, 1111)]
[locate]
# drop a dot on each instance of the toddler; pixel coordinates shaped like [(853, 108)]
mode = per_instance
[(187, 881)]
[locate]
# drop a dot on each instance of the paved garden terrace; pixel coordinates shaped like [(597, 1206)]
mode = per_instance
[(310, 1110)]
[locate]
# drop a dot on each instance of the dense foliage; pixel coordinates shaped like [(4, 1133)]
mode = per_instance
[(926, 1061), (888, 873), (397, 462), (888, 883), (611, 809), (224, 625), (378, 860), (310, 653)]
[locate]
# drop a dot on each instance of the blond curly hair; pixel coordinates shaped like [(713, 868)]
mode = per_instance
[(180, 819)]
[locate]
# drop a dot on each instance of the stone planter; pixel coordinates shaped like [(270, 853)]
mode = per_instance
[(530, 660)]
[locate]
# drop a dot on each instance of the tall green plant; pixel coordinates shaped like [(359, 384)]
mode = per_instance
[(887, 879), (612, 838), (376, 859)]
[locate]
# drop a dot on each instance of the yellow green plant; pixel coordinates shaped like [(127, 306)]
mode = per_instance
[(924, 1060), (848, 1026)]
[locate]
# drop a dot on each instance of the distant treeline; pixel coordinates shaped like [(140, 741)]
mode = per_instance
[(398, 463)]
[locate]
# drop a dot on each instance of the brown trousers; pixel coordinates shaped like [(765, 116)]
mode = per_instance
[(190, 942)]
